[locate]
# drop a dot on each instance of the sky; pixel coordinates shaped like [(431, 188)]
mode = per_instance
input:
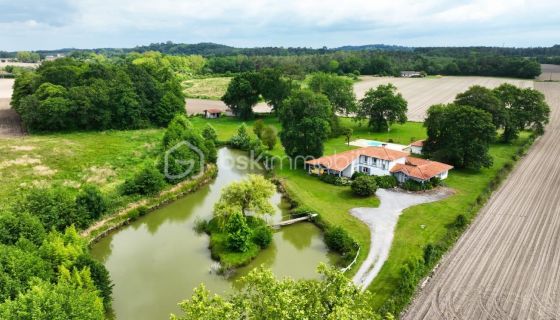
[(55, 24)]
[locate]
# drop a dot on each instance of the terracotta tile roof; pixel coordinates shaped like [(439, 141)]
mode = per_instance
[(420, 168), (213, 110), (418, 143), (341, 161)]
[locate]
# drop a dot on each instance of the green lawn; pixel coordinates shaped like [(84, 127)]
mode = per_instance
[(206, 88)]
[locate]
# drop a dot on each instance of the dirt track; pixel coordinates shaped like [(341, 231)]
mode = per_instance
[(507, 265), (421, 93)]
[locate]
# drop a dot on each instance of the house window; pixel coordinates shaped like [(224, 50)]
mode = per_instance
[(364, 169)]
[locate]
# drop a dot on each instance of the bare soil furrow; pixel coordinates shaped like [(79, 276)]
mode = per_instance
[(507, 264)]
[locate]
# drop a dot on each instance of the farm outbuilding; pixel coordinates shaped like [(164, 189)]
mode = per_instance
[(212, 113), (411, 74)]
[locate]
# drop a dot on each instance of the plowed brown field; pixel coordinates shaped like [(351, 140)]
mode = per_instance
[(421, 93), (10, 123), (507, 265)]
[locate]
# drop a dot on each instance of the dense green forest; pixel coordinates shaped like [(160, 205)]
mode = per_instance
[(368, 59), (98, 94)]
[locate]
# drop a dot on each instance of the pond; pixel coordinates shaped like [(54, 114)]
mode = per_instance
[(156, 261)]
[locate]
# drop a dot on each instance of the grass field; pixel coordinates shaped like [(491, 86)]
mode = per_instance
[(206, 88), (102, 158)]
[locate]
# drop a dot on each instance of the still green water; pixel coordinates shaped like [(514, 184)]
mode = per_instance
[(156, 261)]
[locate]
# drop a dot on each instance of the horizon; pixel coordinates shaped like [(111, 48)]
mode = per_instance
[(276, 46), (31, 25)]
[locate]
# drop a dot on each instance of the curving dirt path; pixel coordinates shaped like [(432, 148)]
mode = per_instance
[(382, 221), (507, 265)]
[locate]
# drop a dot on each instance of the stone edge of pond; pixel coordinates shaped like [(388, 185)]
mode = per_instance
[(139, 208)]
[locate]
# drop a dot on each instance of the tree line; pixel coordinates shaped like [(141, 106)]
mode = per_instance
[(98, 94)]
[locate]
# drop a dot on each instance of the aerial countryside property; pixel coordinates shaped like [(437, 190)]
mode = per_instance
[(357, 160)]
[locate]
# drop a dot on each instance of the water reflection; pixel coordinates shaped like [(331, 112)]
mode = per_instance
[(158, 260)]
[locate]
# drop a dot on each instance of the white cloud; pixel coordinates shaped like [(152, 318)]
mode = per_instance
[(95, 23)]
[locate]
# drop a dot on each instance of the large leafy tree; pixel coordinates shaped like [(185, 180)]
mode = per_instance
[(382, 107), (305, 118), (339, 90), (525, 108), (484, 99), (251, 195), (186, 151), (262, 296), (273, 87), (459, 135), (73, 297), (242, 95)]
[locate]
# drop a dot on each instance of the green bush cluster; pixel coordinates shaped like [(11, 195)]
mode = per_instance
[(338, 240), (364, 186), (255, 146), (413, 185), (386, 182), (334, 180), (59, 207), (186, 151), (147, 181)]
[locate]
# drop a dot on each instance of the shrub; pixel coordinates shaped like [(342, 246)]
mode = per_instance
[(460, 222), (258, 128), (386, 182), (209, 133), (238, 233), (200, 225), (148, 181), (412, 185), (332, 179), (338, 240), (262, 236), (99, 275), (357, 174), (241, 140), (23, 225), (269, 137), (301, 211), (55, 207), (364, 186), (91, 202)]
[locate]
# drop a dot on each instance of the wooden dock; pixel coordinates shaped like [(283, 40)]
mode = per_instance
[(292, 221)]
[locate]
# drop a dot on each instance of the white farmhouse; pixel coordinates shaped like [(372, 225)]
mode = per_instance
[(379, 161), (416, 147)]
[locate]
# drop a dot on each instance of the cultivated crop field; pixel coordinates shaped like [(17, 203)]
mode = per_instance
[(507, 265), (10, 124), (421, 93), (550, 72)]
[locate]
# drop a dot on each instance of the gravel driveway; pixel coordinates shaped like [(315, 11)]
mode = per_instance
[(382, 221)]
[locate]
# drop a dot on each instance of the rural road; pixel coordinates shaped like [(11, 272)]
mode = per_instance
[(382, 221), (507, 264)]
